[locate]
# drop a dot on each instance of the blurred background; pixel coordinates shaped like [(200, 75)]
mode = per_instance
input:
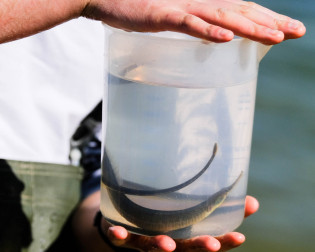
[(282, 168)]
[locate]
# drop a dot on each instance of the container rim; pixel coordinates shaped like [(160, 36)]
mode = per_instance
[(184, 38)]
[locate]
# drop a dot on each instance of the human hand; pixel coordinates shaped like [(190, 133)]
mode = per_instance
[(120, 237), (214, 20)]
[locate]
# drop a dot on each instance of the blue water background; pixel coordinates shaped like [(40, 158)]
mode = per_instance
[(282, 168)]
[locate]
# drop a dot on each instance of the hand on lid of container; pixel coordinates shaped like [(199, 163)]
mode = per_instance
[(214, 20)]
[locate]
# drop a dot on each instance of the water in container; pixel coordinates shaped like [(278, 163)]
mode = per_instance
[(178, 125)]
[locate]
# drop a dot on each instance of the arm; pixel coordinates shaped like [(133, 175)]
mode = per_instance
[(22, 18), (215, 20)]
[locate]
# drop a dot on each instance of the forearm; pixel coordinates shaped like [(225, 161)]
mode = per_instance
[(21, 18)]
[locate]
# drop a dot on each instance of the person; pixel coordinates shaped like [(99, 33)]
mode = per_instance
[(51, 80)]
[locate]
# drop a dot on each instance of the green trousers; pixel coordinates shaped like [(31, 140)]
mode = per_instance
[(35, 201)]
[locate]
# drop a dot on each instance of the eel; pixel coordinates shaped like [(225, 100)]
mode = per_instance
[(162, 221), (109, 179)]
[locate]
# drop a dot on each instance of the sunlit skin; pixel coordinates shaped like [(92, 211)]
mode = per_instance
[(214, 20)]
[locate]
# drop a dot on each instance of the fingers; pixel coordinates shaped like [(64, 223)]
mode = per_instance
[(263, 16), (120, 237), (197, 27), (220, 25), (235, 239), (218, 20), (231, 240), (200, 243), (214, 20), (251, 205), (164, 243), (249, 20), (117, 235), (260, 8), (292, 29), (245, 27)]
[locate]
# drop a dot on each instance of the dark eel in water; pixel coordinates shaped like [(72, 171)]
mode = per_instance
[(109, 179), (162, 221)]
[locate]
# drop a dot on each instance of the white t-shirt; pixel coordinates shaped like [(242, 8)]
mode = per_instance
[(48, 83)]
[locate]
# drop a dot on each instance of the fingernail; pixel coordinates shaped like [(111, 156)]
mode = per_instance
[(223, 32), (165, 243), (241, 238), (216, 245), (111, 228), (226, 34), (293, 25), (274, 32)]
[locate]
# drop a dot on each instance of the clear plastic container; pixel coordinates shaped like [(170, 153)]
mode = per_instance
[(178, 125)]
